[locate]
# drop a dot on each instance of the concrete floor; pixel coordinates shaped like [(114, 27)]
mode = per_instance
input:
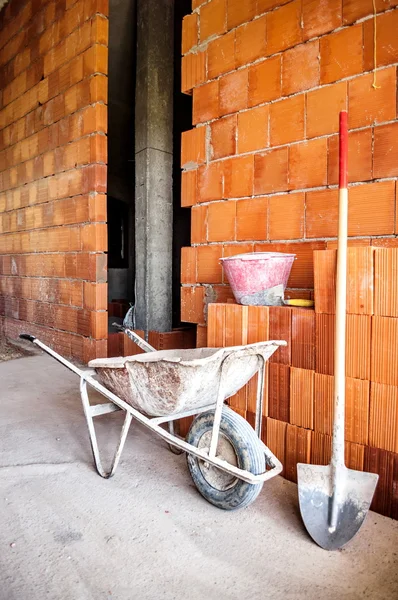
[(147, 534)]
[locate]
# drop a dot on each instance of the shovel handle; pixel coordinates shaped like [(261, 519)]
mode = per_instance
[(341, 293)]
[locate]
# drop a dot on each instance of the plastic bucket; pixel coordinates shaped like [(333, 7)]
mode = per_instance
[(259, 278)]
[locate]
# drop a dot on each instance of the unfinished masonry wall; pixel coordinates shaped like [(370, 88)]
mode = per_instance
[(53, 153), (268, 79)]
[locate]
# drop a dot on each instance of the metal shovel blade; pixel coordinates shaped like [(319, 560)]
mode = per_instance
[(354, 495)]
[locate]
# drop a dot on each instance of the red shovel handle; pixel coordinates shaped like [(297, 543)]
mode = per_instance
[(343, 147)]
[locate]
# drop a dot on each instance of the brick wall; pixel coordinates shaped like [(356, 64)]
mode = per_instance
[(53, 153), (268, 79)]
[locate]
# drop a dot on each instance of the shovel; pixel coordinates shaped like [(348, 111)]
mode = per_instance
[(334, 500)]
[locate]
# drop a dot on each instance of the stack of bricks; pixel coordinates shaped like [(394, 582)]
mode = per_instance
[(119, 344), (260, 167), (53, 153), (298, 411)]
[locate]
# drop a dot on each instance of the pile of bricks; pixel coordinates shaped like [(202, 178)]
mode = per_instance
[(118, 308), (298, 412), (260, 167), (119, 344), (53, 153)]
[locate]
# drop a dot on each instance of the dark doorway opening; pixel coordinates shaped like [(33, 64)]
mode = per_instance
[(121, 172), (182, 122)]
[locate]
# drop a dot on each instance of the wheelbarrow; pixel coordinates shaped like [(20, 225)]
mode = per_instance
[(226, 458)]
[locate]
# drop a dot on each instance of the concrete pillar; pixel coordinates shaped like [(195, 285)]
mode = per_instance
[(153, 156)]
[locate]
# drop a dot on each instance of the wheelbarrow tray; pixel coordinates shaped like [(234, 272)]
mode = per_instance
[(168, 382)]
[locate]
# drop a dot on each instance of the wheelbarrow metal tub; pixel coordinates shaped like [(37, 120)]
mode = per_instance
[(194, 381), (171, 382)]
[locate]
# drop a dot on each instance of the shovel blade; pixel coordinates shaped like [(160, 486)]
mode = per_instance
[(355, 494)]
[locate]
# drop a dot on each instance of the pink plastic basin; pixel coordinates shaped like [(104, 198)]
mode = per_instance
[(256, 272)]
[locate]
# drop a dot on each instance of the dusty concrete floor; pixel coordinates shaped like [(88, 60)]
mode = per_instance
[(67, 534), (9, 351)]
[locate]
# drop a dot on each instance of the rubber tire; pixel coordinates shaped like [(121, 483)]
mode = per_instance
[(249, 453)]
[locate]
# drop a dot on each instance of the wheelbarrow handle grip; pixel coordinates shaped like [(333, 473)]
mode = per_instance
[(27, 336)]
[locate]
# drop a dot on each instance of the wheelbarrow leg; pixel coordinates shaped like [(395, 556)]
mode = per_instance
[(260, 397), (88, 412)]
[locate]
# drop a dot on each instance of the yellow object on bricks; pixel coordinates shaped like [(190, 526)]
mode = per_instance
[(298, 302)]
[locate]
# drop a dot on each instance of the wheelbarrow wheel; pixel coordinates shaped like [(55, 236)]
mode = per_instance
[(239, 445)]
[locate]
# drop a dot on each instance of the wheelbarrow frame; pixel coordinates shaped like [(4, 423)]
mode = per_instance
[(154, 423)]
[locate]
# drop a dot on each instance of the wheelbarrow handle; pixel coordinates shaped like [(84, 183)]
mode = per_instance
[(27, 336), (135, 338)]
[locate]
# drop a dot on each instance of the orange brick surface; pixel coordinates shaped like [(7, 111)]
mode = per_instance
[(252, 219), (284, 27), (223, 137), (213, 19), (341, 54), (265, 81), (287, 120), (300, 68), (53, 154)]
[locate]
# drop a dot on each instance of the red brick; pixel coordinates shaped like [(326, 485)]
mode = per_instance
[(271, 171), (354, 10), (189, 32), (284, 27), (198, 224), (192, 304), (303, 338), (221, 221), (386, 40), (201, 337), (234, 92), (193, 70), (221, 55), (298, 450), (286, 217), (287, 120), (251, 42), (223, 137), (193, 147), (209, 267), (368, 105), (252, 219), (206, 102), (238, 177), (384, 350), (371, 209), (279, 391), (239, 12), (341, 54), (189, 188), (234, 249), (210, 182), (265, 5), (188, 265), (319, 20), (253, 129), (95, 296), (308, 164), (359, 157), (280, 328), (94, 237), (321, 213), (213, 19), (95, 60), (300, 68), (385, 152), (265, 81), (323, 107)]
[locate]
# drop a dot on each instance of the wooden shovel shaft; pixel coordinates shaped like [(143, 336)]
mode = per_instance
[(341, 293)]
